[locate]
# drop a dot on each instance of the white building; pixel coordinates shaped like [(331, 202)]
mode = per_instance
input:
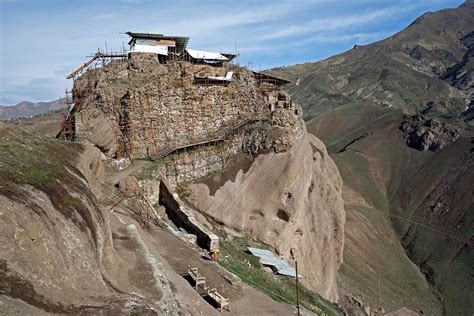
[(173, 47), (157, 44)]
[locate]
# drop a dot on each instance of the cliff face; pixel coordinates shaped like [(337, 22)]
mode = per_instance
[(288, 200), (150, 106)]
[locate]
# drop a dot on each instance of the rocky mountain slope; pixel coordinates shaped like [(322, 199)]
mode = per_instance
[(28, 109), (405, 71), (101, 215), (71, 242), (367, 105)]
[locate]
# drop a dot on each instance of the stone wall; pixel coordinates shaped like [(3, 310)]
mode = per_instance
[(190, 165), (183, 217), (166, 107), (138, 107), (98, 96)]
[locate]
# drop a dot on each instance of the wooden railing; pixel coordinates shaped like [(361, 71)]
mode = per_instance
[(95, 57)]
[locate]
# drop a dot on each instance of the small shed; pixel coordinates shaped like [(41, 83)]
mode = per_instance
[(160, 44)]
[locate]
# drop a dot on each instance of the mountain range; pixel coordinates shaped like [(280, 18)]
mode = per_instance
[(28, 109), (396, 116)]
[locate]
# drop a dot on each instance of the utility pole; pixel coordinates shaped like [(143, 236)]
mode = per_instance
[(297, 284)]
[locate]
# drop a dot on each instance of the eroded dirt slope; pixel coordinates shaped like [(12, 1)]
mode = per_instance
[(58, 252), (286, 200), (70, 244)]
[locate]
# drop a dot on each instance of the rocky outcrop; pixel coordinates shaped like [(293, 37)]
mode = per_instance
[(424, 133), (289, 200), (140, 108)]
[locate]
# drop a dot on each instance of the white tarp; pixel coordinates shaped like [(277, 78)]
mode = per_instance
[(199, 54), (158, 49), (226, 78), (268, 258)]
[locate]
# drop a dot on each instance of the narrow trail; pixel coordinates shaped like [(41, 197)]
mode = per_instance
[(116, 177)]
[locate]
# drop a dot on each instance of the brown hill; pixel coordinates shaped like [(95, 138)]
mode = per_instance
[(140, 131), (70, 245), (357, 102), (29, 109), (405, 71)]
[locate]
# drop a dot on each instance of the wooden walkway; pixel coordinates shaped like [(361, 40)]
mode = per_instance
[(216, 137)]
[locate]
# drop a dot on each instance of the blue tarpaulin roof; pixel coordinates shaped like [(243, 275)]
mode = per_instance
[(268, 258)]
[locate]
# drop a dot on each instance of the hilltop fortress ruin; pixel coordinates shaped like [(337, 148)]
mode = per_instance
[(227, 138), (161, 99)]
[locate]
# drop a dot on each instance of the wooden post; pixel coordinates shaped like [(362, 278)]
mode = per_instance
[(292, 253), (297, 290)]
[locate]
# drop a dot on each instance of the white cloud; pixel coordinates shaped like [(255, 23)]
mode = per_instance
[(359, 38), (106, 16), (336, 23), (50, 40)]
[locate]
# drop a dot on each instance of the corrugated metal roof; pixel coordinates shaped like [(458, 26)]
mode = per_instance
[(261, 76), (229, 56), (181, 41), (268, 258), (200, 54)]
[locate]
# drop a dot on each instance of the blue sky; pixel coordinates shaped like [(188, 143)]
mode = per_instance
[(41, 41)]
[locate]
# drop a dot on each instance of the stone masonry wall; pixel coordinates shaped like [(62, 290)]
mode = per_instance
[(190, 165), (166, 106), (138, 107)]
